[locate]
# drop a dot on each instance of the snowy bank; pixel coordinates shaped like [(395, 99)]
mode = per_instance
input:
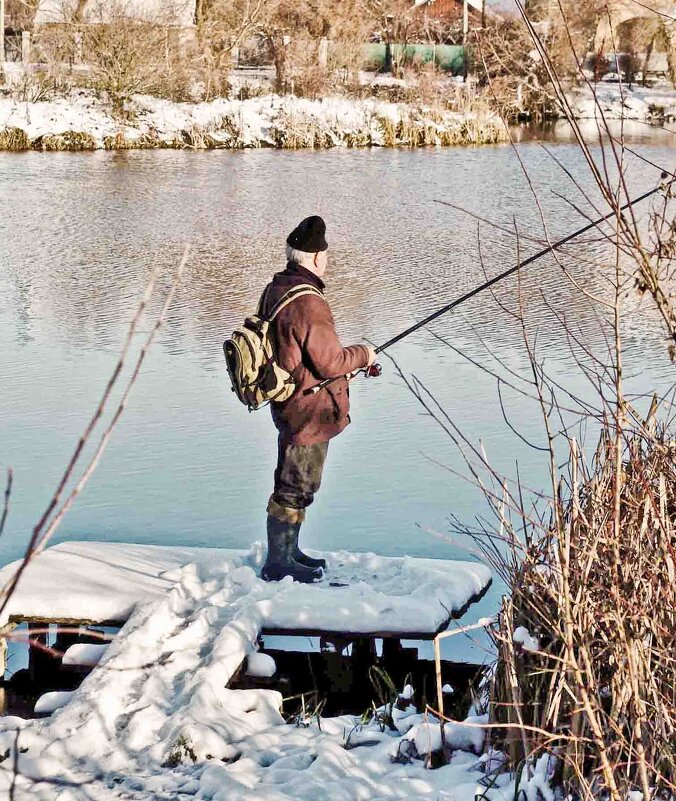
[(616, 101), (156, 720), (84, 122)]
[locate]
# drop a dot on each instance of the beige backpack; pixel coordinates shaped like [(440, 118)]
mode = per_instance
[(255, 374)]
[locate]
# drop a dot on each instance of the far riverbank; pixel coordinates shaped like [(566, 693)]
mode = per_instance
[(83, 121)]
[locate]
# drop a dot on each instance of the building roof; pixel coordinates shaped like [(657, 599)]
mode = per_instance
[(477, 5), (178, 13)]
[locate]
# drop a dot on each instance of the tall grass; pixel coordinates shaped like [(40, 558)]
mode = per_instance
[(14, 139)]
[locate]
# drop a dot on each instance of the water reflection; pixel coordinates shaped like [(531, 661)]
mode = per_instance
[(80, 234)]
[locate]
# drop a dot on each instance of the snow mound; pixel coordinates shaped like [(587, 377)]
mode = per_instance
[(260, 666), (86, 654), (523, 637), (50, 702)]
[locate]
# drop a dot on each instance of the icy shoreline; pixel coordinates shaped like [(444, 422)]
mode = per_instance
[(84, 122)]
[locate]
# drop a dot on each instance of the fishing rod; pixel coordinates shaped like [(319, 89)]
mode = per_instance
[(375, 369)]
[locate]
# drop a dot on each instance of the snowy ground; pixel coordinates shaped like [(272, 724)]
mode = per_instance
[(154, 720), (255, 122), (617, 101)]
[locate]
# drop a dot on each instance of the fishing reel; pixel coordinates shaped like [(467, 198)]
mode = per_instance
[(373, 371)]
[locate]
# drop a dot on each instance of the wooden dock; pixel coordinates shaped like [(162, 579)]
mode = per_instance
[(78, 584)]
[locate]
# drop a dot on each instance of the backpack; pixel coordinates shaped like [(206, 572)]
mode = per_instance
[(256, 376)]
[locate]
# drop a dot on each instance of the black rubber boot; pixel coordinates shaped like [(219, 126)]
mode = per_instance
[(280, 562), (303, 558)]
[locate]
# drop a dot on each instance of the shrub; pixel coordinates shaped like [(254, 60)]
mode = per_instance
[(70, 140)]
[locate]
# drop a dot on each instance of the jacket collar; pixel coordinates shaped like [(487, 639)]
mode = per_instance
[(293, 268)]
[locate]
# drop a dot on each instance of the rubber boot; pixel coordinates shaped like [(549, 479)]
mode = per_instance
[(280, 562), (303, 558)]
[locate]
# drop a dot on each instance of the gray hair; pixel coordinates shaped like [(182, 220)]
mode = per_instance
[(300, 257)]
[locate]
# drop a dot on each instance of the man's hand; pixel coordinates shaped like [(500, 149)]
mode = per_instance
[(372, 355), (372, 358)]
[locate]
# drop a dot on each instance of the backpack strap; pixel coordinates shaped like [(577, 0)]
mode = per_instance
[(289, 297), (261, 303)]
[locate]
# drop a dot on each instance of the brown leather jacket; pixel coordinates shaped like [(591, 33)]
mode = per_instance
[(309, 348)]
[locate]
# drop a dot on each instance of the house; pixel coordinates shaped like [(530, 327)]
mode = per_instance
[(448, 10)]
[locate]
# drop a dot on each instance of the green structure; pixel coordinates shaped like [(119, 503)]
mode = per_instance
[(381, 56)]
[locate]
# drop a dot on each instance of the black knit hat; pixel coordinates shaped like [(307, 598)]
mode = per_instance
[(309, 235)]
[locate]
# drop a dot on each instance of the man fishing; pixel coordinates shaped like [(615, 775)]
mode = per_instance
[(311, 380), (306, 344)]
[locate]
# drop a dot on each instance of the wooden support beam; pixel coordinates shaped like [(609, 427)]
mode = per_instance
[(392, 649), (4, 648), (67, 621), (39, 661), (64, 639), (25, 47)]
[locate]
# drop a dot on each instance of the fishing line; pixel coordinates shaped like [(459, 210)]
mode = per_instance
[(376, 370)]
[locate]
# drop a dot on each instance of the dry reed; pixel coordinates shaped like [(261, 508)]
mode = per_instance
[(597, 591), (147, 141), (14, 139)]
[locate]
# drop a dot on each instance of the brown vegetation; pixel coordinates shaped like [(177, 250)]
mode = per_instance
[(315, 46), (585, 677), (596, 588), (14, 139), (69, 140)]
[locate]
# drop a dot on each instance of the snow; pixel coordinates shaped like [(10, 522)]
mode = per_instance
[(50, 702), (101, 582), (260, 666), (523, 637), (404, 719), (254, 122), (84, 654), (426, 736), (386, 594), (535, 779), (467, 735), (156, 720), (618, 101)]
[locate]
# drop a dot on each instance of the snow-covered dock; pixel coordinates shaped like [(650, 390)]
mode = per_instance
[(102, 583), (158, 718)]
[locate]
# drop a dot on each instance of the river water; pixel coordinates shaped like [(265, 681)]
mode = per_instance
[(80, 233)]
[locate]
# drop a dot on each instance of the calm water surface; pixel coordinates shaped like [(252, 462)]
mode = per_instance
[(80, 233)]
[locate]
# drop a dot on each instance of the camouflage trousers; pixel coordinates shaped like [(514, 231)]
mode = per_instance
[(297, 479)]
